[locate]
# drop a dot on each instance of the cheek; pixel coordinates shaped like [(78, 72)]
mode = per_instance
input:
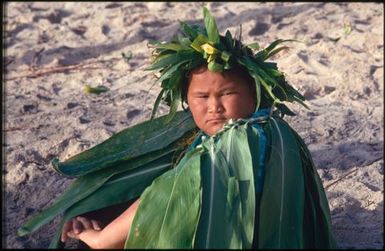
[(238, 107), (197, 108), (196, 105)]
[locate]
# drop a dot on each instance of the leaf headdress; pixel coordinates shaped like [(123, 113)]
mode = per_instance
[(203, 45)]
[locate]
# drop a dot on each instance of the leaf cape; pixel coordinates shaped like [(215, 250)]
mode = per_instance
[(290, 212)]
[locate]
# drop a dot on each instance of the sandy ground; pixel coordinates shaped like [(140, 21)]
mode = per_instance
[(52, 50)]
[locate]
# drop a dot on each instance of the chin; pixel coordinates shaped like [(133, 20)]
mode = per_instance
[(214, 130)]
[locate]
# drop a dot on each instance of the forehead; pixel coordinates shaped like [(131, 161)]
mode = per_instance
[(202, 78)]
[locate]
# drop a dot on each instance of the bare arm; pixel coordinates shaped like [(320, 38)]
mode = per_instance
[(112, 236)]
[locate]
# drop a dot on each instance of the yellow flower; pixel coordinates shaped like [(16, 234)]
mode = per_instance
[(209, 49)]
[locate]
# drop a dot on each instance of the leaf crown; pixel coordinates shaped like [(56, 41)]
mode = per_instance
[(197, 45)]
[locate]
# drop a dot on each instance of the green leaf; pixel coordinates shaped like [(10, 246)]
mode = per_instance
[(124, 186), (95, 90), (168, 72), (293, 92), (215, 67), (277, 42), (205, 55), (269, 65), (156, 104), (225, 56), (268, 88), (184, 42), (273, 52), (220, 203), (273, 72), (281, 93), (264, 75), (123, 146), (229, 40), (198, 42), (258, 92), (172, 223), (170, 46), (211, 26), (177, 97), (188, 30), (319, 227), (282, 203), (172, 58), (197, 61), (239, 157), (78, 190), (254, 46), (301, 102), (285, 110), (262, 54), (175, 79), (228, 202)]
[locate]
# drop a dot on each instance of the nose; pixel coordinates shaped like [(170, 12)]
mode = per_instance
[(215, 105)]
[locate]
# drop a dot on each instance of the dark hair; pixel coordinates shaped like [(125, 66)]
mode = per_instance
[(237, 69)]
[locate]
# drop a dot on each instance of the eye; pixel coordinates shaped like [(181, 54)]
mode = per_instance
[(228, 93)]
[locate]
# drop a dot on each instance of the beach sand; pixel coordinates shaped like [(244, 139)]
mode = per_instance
[(52, 50)]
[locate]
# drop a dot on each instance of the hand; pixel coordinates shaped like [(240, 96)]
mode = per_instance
[(75, 226), (90, 233)]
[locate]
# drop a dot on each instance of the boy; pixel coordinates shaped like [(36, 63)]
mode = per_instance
[(246, 181)]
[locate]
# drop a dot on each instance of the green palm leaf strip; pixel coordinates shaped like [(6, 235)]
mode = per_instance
[(198, 42), (283, 192), (129, 143), (172, 58), (176, 98), (168, 73), (211, 26), (157, 103), (228, 206), (78, 190), (267, 52), (239, 157), (322, 235), (172, 222), (188, 30), (168, 46), (215, 227), (273, 52)]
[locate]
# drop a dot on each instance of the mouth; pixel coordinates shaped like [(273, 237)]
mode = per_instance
[(216, 120)]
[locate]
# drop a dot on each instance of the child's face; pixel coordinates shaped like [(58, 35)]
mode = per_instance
[(214, 98)]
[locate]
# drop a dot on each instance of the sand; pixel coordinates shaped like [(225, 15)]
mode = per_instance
[(52, 50)]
